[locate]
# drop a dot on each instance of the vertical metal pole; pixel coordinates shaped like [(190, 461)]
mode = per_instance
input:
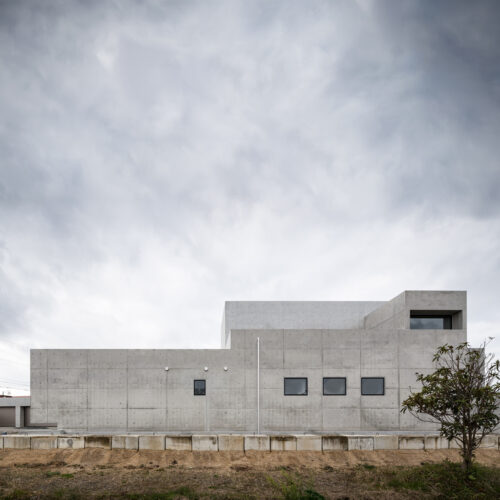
[(258, 385)]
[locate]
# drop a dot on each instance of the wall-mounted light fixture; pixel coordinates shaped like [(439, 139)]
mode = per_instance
[(166, 368), (225, 368), (206, 368)]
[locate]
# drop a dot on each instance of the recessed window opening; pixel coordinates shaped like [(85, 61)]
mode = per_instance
[(430, 322), (200, 387), (334, 386), (372, 386), (295, 386)]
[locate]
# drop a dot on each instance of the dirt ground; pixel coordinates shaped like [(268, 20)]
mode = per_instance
[(92, 473)]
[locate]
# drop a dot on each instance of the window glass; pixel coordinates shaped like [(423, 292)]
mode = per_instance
[(373, 386), (200, 387), (430, 322), (296, 386), (334, 386)]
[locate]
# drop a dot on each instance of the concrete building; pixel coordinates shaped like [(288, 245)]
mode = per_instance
[(307, 367), (15, 411)]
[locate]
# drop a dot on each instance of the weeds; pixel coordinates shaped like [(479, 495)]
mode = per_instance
[(294, 487), (182, 492), (52, 473), (442, 480)]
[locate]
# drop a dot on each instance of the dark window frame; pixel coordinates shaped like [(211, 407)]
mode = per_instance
[(336, 378), (369, 378), (295, 378), (204, 387), (447, 320)]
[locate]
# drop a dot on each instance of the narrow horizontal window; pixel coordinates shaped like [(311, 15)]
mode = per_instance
[(372, 386), (295, 386), (200, 387), (334, 386), (418, 322)]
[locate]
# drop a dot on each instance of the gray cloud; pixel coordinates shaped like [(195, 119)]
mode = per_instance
[(159, 158)]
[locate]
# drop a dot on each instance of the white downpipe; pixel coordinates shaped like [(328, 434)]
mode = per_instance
[(258, 385)]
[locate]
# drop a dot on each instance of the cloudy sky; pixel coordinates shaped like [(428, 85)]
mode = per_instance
[(159, 158)]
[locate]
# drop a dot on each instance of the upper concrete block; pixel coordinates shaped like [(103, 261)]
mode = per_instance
[(43, 442), (436, 300), (151, 442), (411, 443), (16, 442), (295, 315), (360, 443), (204, 443), (73, 442), (490, 441), (383, 442), (436, 443), (182, 443), (231, 442), (98, 442), (257, 442), (334, 443), (309, 443), (283, 443), (126, 442)]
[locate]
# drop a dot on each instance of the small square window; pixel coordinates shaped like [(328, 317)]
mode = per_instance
[(296, 386), (372, 386), (200, 387), (334, 386)]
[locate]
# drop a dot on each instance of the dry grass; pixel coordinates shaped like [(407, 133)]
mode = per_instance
[(95, 473)]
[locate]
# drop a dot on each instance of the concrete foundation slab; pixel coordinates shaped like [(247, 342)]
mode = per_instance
[(16, 442), (204, 443), (73, 442), (43, 442), (309, 443), (182, 443), (257, 442), (489, 442), (125, 442), (151, 442), (333, 443), (359, 443), (385, 442), (231, 442), (436, 443), (411, 443), (283, 443), (98, 442)]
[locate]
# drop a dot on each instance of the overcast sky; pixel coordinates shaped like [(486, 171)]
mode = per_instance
[(159, 158)]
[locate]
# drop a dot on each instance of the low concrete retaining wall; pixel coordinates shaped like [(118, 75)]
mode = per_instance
[(236, 442)]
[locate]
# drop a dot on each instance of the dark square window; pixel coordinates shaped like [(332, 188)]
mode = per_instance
[(334, 386), (200, 387), (372, 386), (296, 386)]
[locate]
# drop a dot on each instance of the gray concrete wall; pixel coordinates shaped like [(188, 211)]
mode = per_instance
[(255, 315), (130, 390), (396, 312)]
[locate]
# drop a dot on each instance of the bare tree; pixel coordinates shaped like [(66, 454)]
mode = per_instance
[(462, 395)]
